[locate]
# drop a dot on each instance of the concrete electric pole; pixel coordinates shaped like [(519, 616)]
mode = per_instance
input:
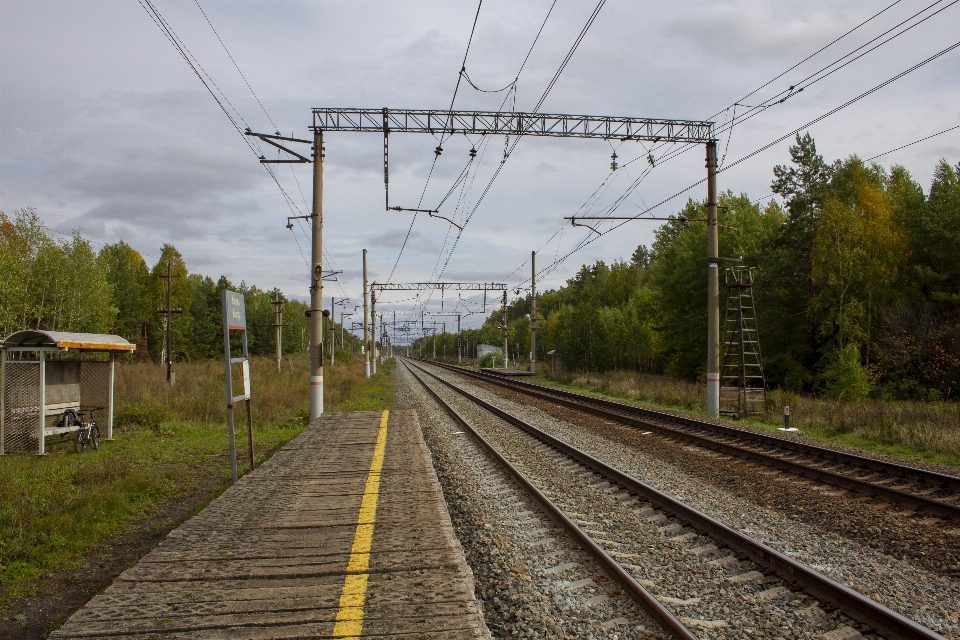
[(366, 320), (278, 326), (316, 291), (533, 312), (713, 286), (373, 332), (506, 347)]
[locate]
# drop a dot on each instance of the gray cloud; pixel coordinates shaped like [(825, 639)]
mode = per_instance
[(103, 127)]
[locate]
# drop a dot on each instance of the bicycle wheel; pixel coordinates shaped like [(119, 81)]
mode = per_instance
[(79, 443), (94, 436)]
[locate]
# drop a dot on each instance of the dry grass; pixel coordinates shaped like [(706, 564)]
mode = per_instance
[(57, 509), (143, 397), (913, 429)]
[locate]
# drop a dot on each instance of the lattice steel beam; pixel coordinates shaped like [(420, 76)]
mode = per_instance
[(426, 286), (511, 123)]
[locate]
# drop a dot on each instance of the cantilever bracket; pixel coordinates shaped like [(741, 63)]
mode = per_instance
[(573, 222), (269, 139), (433, 213), (290, 224)]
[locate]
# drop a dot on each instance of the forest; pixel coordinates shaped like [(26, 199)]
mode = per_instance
[(857, 287), (64, 285)]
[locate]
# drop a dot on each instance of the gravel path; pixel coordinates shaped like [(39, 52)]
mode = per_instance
[(868, 546), (531, 578)]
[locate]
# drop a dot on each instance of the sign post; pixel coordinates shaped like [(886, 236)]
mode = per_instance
[(235, 318)]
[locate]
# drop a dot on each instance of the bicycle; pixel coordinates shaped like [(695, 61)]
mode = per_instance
[(87, 434)]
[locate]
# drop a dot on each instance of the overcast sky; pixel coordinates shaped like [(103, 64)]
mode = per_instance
[(105, 128)]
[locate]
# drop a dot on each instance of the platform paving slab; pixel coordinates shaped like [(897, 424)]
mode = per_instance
[(268, 558)]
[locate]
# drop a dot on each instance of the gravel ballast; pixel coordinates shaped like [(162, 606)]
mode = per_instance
[(873, 547), (531, 578)]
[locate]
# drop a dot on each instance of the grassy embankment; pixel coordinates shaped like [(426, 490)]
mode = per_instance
[(928, 431), (168, 444)]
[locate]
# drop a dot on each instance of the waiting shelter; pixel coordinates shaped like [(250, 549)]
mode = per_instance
[(45, 373)]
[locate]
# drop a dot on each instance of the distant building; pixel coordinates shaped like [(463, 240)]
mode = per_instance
[(484, 349)]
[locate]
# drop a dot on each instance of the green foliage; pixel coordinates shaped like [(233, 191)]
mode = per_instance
[(58, 285), (844, 376), (62, 285), (857, 287), (492, 359)]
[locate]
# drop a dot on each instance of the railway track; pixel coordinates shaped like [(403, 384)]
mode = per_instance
[(933, 493), (662, 517)]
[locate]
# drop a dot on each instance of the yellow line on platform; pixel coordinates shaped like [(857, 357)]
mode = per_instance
[(350, 615)]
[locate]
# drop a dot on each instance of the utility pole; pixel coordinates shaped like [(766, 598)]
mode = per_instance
[(533, 312), (366, 318), (343, 344), (333, 329), (713, 286), (506, 348), (316, 291), (444, 337), (169, 311), (373, 331), (277, 324), (459, 349)]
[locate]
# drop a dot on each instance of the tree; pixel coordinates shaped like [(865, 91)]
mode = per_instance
[(129, 280), (181, 295), (859, 254)]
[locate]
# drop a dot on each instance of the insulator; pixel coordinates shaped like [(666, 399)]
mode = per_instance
[(613, 161), (438, 150), (473, 152)]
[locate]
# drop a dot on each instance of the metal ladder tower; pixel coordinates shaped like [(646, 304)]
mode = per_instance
[(743, 388)]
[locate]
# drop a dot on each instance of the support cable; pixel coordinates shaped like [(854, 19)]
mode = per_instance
[(762, 149)]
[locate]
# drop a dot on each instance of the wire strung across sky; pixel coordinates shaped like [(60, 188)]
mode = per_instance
[(778, 99), (484, 142), (758, 151)]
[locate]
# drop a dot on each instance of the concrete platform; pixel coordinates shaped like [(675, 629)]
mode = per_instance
[(343, 533)]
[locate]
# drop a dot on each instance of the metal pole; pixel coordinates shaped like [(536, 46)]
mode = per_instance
[(713, 287), (113, 363), (333, 330), (3, 401), (533, 312), (373, 332), (316, 291), (228, 377), (246, 357), (366, 317), (169, 324), (459, 349), (278, 323), (506, 347), (43, 402)]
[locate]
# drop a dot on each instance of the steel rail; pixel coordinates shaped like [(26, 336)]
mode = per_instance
[(884, 621), (644, 598), (653, 420)]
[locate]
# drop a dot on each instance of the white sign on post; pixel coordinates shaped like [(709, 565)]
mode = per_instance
[(235, 318)]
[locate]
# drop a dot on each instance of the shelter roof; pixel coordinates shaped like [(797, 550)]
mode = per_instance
[(64, 340)]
